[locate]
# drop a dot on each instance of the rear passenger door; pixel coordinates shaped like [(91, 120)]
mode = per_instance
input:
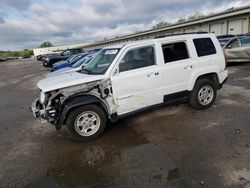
[(177, 67)]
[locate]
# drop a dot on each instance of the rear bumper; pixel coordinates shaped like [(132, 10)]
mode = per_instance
[(221, 85), (223, 76)]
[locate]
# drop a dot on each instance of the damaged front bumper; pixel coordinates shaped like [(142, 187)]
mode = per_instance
[(39, 111)]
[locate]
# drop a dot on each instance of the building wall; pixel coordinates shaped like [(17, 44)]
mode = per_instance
[(221, 21), (56, 49)]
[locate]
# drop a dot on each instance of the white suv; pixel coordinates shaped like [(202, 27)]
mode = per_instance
[(122, 80)]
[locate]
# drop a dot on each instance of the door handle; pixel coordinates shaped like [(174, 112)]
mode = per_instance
[(188, 66), (153, 73)]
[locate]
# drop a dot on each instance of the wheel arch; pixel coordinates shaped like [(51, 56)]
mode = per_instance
[(76, 101), (211, 76)]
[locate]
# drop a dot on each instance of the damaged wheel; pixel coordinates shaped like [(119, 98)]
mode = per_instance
[(86, 122)]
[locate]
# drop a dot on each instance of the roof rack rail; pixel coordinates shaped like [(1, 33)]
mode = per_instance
[(162, 36)]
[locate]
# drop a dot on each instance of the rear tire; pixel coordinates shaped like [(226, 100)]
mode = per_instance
[(204, 94), (86, 122)]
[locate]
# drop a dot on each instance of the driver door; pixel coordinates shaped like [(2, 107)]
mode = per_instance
[(137, 84)]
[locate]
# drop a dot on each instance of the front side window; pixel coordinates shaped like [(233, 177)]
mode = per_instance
[(175, 52), (204, 47), (101, 62), (137, 58)]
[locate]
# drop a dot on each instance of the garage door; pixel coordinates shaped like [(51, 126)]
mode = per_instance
[(235, 27), (216, 28)]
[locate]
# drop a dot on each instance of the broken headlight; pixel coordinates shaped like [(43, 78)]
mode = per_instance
[(42, 97)]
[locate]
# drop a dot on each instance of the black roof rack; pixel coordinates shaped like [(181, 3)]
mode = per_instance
[(162, 36)]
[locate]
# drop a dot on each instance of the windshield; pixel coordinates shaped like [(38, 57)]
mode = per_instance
[(82, 61), (76, 58), (101, 62)]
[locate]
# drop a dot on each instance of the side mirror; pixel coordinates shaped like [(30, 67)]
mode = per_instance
[(229, 46)]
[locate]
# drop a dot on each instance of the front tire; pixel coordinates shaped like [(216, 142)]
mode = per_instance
[(45, 64), (204, 94), (86, 122)]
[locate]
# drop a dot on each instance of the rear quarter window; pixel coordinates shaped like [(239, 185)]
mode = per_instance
[(204, 47)]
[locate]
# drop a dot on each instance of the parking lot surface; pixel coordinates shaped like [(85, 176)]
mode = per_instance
[(172, 146)]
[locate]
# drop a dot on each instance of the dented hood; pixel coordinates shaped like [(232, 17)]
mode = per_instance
[(62, 71), (66, 80)]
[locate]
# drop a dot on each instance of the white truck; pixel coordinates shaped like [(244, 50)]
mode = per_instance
[(122, 80)]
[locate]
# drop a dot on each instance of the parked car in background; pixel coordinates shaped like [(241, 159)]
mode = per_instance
[(224, 41), (124, 79), (43, 56), (238, 50), (67, 63), (3, 59), (78, 66), (52, 59), (225, 36)]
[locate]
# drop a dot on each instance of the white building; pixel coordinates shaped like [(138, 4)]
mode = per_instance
[(56, 49)]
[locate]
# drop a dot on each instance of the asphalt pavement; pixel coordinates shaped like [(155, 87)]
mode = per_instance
[(171, 146)]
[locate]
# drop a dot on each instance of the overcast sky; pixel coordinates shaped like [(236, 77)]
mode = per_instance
[(27, 23)]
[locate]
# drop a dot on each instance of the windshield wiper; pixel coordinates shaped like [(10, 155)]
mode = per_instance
[(87, 71)]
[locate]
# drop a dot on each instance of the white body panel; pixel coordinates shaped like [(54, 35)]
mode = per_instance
[(137, 89), (66, 80), (146, 86), (63, 71)]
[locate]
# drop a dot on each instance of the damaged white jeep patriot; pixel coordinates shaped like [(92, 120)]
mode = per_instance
[(125, 79)]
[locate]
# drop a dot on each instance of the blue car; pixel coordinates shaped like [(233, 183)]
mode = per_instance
[(69, 62), (74, 67)]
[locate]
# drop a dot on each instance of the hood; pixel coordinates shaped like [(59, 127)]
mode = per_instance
[(66, 80), (62, 71), (60, 64)]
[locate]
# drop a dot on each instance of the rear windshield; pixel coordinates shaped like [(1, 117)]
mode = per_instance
[(204, 47)]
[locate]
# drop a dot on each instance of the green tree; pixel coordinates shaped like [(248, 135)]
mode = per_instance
[(26, 53), (195, 16), (181, 20), (46, 44), (161, 24)]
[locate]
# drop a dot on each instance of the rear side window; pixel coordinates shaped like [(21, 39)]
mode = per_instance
[(175, 52), (204, 47)]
